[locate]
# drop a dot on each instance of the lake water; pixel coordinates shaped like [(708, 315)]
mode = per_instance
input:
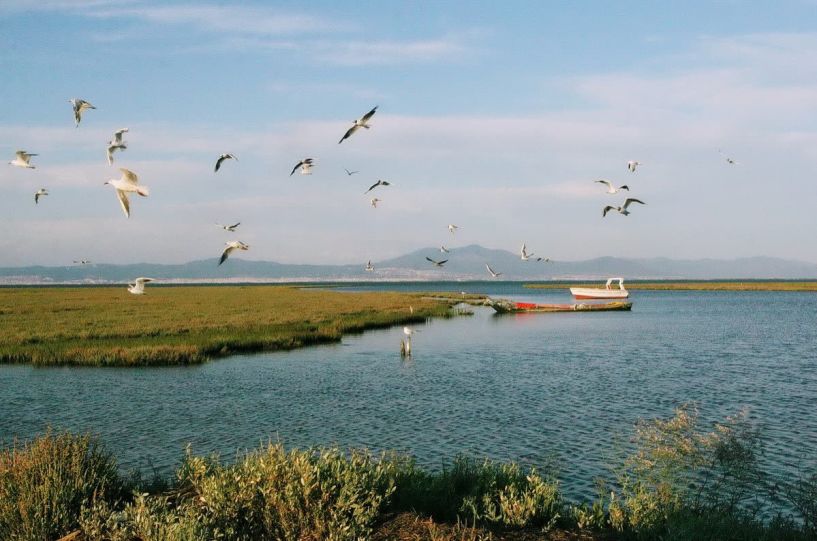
[(537, 388)]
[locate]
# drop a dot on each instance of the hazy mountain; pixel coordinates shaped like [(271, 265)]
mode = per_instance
[(464, 263)]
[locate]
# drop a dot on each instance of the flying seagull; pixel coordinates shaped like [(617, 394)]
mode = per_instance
[(728, 159), (437, 263), (305, 165), (22, 160), (493, 273), (79, 106), (376, 184), (38, 194), (362, 122), (369, 266), (523, 253), (231, 246), (452, 228), (444, 250), (623, 208), (220, 160), (82, 262), (543, 259), (138, 286), (375, 201), (611, 188), (350, 173), (229, 227), (631, 165), (116, 144), (129, 182)]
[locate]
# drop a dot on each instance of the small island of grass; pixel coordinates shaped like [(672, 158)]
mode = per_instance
[(106, 326)]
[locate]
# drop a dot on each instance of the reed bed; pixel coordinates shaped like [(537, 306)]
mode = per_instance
[(107, 326), (681, 482)]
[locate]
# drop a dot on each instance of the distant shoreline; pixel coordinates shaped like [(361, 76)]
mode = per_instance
[(696, 285)]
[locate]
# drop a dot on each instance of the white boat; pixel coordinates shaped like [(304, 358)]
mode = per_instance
[(606, 292)]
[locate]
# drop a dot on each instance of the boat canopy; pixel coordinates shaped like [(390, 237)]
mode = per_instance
[(618, 279)]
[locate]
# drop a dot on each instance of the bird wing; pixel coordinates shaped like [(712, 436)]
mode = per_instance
[(218, 162), (110, 155), (369, 115), (123, 200), (385, 183), (631, 200), (607, 182), (624, 187), (117, 135), (441, 263), (225, 254), (129, 176), (372, 187), (348, 133), (490, 270), (524, 252), (234, 225), (429, 259), (300, 163), (36, 198), (607, 209), (140, 282)]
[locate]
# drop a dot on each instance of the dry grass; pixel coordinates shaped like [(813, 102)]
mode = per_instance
[(182, 325), (751, 285)]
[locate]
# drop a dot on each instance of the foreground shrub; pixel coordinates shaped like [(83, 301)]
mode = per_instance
[(45, 483)]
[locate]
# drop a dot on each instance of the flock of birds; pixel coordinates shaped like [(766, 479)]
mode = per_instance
[(128, 184)]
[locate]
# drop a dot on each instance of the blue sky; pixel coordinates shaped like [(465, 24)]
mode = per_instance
[(494, 116)]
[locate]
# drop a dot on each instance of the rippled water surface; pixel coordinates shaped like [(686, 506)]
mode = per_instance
[(535, 388)]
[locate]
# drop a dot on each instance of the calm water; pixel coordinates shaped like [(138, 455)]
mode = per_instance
[(534, 388)]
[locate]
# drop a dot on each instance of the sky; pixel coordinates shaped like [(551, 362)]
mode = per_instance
[(496, 117)]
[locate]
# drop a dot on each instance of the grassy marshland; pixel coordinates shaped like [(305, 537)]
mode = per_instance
[(680, 482), (752, 285), (187, 324)]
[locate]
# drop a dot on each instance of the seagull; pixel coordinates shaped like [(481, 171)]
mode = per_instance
[(305, 165), (543, 259), (375, 201), (229, 227), (444, 250), (138, 286), (79, 106), (369, 266), (623, 208), (631, 165), (611, 188), (116, 144), (362, 122), (729, 160), (376, 184), (39, 193), (225, 156), (22, 160), (408, 331), (82, 262), (493, 274), (234, 245), (523, 253), (129, 182), (350, 173), (452, 228), (437, 263)]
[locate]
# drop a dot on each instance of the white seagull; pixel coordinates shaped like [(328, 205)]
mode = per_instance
[(38, 194), (138, 286), (623, 208), (523, 253), (408, 331), (79, 106), (729, 160), (444, 250), (220, 160), (369, 266), (229, 227), (452, 228), (362, 122), (22, 160), (305, 165), (82, 262), (437, 263), (231, 246), (350, 173), (494, 274), (611, 188), (116, 144), (375, 201), (376, 184), (631, 165), (129, 182)]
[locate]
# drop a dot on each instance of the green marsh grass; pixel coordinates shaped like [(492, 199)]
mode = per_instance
[(107, 326)]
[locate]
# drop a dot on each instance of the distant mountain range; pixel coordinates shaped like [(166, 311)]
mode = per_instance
[(465, 263)]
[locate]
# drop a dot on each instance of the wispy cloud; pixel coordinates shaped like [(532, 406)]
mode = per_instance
[(363, 53)]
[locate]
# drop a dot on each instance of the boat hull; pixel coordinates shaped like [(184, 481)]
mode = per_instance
[(508, 307), (598, 293)]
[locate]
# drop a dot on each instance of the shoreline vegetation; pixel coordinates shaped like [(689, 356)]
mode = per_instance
[(679, 482), (693, 285), (179, 325)]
